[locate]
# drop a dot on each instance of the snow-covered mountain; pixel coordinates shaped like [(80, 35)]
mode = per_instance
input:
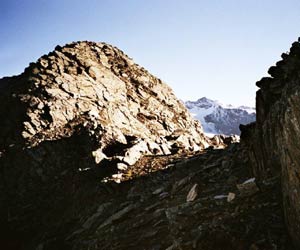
[(217, 118)]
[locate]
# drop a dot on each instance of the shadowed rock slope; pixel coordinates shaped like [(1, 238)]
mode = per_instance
[(274, 140), (199, 202), (85, 117)]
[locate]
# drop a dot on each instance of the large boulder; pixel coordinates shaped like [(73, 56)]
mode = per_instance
[(274, 140)]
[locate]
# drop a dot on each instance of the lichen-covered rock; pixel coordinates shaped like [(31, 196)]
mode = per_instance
[(274, 140)]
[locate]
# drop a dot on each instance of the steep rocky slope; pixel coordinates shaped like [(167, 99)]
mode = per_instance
[(217, 118), (125, 111), (83, 109), (273, 141)]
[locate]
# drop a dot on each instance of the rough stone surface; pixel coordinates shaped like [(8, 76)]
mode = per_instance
[(85, 109), (96, 88), (273, 142), (152, 212)]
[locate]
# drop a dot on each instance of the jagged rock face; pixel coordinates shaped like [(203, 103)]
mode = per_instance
[(85, 109), (94, 87), (274, 141)]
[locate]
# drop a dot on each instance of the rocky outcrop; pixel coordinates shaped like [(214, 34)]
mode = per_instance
[(85, 109), (95, 88), (273, 141)]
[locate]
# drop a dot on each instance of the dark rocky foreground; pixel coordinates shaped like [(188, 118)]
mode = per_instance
[(273, 141), (185, 205), (96, 153)]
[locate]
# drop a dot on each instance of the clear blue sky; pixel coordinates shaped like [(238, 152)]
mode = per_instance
[(211, 48)]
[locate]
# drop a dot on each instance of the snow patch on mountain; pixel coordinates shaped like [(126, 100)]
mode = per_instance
[(218, 118)]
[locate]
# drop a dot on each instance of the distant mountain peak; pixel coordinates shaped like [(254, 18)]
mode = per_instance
[(219, 118)]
